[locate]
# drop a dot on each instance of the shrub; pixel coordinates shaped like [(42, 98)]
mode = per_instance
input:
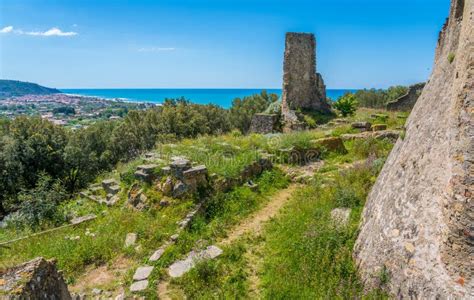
[(40, 205), (346, 104), (451, 57)]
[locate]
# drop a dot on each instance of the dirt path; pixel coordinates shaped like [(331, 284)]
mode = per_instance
[(251, 225), (254, 223)]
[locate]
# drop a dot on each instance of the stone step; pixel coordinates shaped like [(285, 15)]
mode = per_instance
[(142, 273), (179, 268)]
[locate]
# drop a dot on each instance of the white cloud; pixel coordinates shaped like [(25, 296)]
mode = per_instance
[(156, 49), (7, 29), (51, 32)]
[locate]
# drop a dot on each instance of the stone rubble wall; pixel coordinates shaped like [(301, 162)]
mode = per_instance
[(407, 101), (417, 224), (36, 279), (264, 123)]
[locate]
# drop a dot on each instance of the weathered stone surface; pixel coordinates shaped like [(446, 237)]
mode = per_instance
[(333, 144), (136, 198), (179, 189), (418, 220), (130, 239), (85, 218), (178, 166), (157, 254), (391, 135), (264, 123), (167, 187), (36, 279), (139, 286), (407, 101), (110, 186), (362, 126), (147, 169), (142, 273), (340, 216), (379, 127), (179, 268), (302, 86)]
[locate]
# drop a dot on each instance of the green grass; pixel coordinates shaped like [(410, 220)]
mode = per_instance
[(110, 229), (327, 252), (306, 255), (221, 212)]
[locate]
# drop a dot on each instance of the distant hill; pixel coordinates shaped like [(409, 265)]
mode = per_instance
[(11, 88)]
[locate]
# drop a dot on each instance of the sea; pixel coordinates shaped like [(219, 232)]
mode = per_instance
[(221, 97)]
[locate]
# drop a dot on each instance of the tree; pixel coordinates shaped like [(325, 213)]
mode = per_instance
[(242, 110), (346, 104)]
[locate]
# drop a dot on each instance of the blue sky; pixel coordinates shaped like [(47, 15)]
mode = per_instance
[(218, 43)]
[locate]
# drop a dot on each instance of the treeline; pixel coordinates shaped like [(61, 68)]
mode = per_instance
[(42, 164), (378, 98)]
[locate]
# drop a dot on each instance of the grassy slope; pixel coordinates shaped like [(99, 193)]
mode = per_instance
[(227, 276)]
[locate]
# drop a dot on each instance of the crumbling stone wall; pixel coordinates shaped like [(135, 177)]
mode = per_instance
[(36, 279), (417, 224), (264, 123), (407, 101), (303, 88)]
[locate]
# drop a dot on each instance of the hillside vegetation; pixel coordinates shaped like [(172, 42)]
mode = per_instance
[(14, 88), (300, 252)]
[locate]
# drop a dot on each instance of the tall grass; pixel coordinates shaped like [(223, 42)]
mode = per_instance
[(307, 255)]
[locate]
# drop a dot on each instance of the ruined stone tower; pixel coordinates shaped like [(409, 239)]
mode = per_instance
[(303, 88)]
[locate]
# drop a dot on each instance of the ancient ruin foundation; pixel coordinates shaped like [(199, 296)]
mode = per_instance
[(303, 88), (407, 101)]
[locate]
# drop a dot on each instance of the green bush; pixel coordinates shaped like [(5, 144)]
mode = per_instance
[(451, 57), (346, 105)]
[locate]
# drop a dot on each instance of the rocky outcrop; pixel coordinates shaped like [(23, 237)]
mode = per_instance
[(407, 101), (36, 279), (417, 225)]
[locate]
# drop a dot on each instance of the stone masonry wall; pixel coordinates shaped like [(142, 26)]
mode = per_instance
[(418, 222), (264, 123), (407, 101), (303, 88)]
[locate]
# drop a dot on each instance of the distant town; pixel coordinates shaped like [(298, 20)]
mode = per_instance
[(73, 111)]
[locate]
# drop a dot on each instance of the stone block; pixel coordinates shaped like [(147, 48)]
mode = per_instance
[(333, 144), (379, 127), (361, 126), (35, 279), (139, 286), (142, 273), (264, 123), (157, 254), (179, 189), (130, 239), (340, 216)]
